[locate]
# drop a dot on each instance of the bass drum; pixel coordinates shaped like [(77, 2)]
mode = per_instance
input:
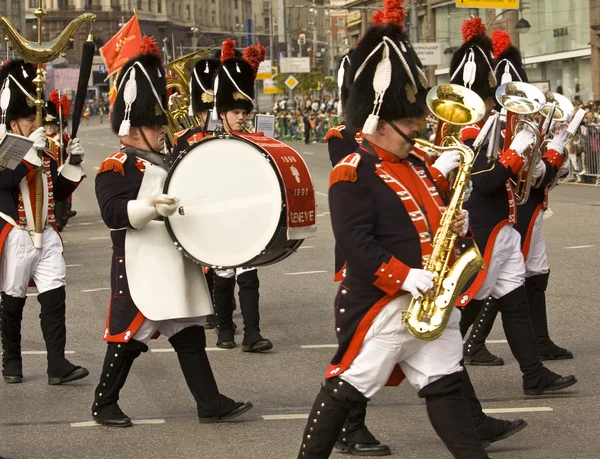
[(245, 200)]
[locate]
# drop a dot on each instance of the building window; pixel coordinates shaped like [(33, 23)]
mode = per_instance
[(139, 5), (88, 3), (267, 25), (340, 22), (33, 3), (149, 5), (61, 3), (235, 4), (159, 6), (188, 12)]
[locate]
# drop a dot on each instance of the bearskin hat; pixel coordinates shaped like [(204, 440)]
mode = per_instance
[(16, 83), (52, 108), (234, 84), (141, 94), (341, 81), (202, 82), (472, 65), (508, 65), (385, 79)]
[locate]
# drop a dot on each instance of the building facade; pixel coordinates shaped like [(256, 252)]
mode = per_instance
[(13, 10)]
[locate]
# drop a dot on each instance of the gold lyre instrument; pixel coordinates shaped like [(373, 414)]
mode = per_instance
[(427, 317), (521, 101), (39, 53), (180, 100)]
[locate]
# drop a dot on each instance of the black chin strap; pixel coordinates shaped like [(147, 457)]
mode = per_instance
[(146, 141), (20, 130), (402, 134)]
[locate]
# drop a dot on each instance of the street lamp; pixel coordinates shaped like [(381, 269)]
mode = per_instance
[(522, 26), (195, 31)]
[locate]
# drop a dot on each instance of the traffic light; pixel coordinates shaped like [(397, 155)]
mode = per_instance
[(302, 39)]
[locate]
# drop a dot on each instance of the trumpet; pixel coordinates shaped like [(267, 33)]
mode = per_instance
[(521, 101)]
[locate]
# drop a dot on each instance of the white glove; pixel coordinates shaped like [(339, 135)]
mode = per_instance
[(559, 142), (468, 191), (75, 152), (523, 140), (465, 227), (142, 211), (565, 168), (539, 170), (39, 143), (417, 281), (448, 161), (166, 205)]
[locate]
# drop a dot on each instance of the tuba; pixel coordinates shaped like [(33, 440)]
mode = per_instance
[(427, 317), (521, 101)]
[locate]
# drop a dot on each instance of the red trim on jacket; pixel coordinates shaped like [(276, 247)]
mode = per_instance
[(3, 235), (510, 158), (527, 242), (391, 275), (554, 158), (339, 276)]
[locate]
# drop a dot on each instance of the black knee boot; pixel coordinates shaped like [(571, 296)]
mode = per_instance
[(536, 294), (450, 417), (356, 439), (249, 302), (117, 363), (519, 333), (327, 417), (489, 429), (223, 289), (190, 345), (11, 315), (474, 350), (52, 322)]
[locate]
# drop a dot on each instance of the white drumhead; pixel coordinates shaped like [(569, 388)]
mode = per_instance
[(231, 200)]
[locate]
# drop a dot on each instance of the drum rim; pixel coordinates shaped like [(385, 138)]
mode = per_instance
[(170, 231)]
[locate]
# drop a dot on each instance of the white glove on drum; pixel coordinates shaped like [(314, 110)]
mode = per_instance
[(559, 142), (523, 140), (166, 205), (448, 161), (142, 211), (39, 143), (417, 281)]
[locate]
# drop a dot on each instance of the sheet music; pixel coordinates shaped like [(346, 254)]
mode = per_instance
[(265, 124), (12, 150)]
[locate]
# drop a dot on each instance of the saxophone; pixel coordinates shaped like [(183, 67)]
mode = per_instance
[(427, 317)]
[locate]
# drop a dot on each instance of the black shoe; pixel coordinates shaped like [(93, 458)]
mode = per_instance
[(554, 352), (77, 373), (240, 408), (369, 449), (72, 213), (561, 383), (13, 379), (258, 346), (211, 322), (483, 357), (496, 429), (225, 338), (114, 421), (226, 344)]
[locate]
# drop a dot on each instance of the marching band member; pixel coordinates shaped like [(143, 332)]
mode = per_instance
[(381, 197), (492, 211), (129, 190), (233, 102), (22, 257), (57, 114), (509, 67)]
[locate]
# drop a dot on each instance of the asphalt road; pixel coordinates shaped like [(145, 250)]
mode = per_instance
[(41, 421)]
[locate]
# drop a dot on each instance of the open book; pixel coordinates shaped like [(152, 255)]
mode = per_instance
[(12, 150)]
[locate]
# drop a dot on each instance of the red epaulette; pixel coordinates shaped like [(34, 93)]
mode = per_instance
[(345, 170), (469, 132), (114, 162), (335, 133)]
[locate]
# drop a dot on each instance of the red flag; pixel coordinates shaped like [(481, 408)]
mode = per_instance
[(123, 46)]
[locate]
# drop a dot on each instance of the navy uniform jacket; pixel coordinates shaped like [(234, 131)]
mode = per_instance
[(341, 141), (184, 139), (376, 231)]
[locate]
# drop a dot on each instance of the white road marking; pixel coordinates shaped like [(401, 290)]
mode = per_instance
[(304, 272), (318, 193), (580, 247), (83, 224), (32, 294), (496, 341), (322, 214), (134, 421), (170, 349), (307, 247), (96, 167), (280, 417), (42, 352), (526, 409), (101, 289), (318, 346), (307, 153), (74, 266), (98, 238)]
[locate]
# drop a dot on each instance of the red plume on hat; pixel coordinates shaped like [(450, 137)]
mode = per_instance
[(501, 41), (254, 55), (392, 13), (149, 45), (227, 49), (471, 28), (66, 106)]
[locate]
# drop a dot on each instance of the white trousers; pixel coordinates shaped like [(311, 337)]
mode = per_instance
[(232, 272), (537, 261), (21, 262), (168, 327), (506, 270), (388, 343)]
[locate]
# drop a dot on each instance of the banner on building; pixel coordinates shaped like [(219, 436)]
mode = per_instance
[(123, 46), (505, 4), (429, 53)]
